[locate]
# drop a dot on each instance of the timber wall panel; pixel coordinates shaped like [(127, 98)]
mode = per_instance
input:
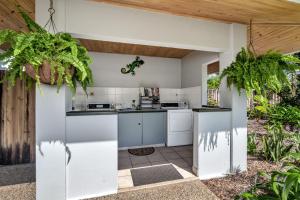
[(17, 136)]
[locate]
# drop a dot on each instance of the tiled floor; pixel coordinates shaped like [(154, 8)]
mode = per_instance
[(181, 157)]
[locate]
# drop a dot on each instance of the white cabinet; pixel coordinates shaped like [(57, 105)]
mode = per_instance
[(180, 127), (92, 156)]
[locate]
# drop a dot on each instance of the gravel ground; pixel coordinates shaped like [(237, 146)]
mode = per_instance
[(17, 182), (228, 187), (190, 190), (255, 126)]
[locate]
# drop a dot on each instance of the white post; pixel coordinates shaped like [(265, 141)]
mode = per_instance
[(238, 102), (50, 143), (204, 84), (50, 122)]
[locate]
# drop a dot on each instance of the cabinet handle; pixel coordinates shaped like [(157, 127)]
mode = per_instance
[(139, 123)]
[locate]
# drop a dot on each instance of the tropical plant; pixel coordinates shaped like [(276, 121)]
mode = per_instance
[(260, 74), (279, 185), (284, 115), (69, 61), (252, 143), (291, 95), (213, 82), (275, 147)]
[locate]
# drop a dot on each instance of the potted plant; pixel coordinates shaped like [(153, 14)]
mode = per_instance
[(261, 74), (38, 57)]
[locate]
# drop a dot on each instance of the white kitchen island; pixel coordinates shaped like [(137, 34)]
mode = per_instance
[(211, 146)]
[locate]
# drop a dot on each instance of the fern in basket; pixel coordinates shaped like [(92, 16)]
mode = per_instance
[(267, 72), (39, 56)]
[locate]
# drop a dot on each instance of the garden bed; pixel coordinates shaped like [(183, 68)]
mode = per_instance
[(228, 187)]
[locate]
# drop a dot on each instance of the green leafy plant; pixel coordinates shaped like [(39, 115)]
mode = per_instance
[(267, 72), (275, 147), (284, 115), (68, 60), (278, 185), (252, 143), (213, 83), (291, 95)]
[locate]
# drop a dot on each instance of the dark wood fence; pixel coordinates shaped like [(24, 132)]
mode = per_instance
[(17, 126)]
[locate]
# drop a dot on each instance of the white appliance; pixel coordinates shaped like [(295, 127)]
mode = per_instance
[(180, 127)]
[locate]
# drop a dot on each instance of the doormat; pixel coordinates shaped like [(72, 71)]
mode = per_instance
[(142, 151), (155, 174)]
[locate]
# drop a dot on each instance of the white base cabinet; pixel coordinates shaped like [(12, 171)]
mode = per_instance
[(92, 155), (180, 127)]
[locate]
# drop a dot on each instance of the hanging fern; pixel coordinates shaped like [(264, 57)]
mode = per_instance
[(267, 72), (60, 50)]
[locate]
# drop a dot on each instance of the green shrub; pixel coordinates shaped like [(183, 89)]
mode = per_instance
[(284, 115), (252, 144), (279, 185), (275, 147), (214, 82)]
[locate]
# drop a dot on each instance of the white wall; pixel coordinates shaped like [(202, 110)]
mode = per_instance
[(192, 67), (101, 21), (156, 72)]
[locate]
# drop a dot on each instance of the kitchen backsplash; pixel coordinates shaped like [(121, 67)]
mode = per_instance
[(125, 96)]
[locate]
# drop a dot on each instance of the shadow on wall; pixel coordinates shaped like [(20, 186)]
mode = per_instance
[(209, 140)]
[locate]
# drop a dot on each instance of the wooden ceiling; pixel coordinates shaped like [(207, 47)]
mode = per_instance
[(213, 68), (276, 22), (285, 39), (9, 16), (133, 49), (240, 11)]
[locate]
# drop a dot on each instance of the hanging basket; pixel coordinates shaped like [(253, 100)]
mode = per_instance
[(44, 72)]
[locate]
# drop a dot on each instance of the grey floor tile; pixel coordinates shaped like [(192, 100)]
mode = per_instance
[(160, 162), (189, 161), (154, 158), (139, 160), (141, 165), (123, 154), (185, 154), (124, 166), (170, 155), (124, 161), (179, 163), (165, 149), (182, 148)]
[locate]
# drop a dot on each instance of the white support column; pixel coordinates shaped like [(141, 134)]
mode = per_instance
[(204, 84), (50, 122), (50, 143), (238, 102)]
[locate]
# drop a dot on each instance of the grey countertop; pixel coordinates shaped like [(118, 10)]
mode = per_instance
[(111, 112), (211, 109)]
